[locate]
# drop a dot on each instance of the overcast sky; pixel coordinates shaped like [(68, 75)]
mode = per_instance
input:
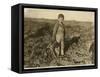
[(52, 14)]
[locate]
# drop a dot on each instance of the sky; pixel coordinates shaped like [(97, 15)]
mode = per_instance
[(53, 14)]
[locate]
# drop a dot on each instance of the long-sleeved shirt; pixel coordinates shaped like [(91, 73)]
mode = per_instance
[(58, 31)]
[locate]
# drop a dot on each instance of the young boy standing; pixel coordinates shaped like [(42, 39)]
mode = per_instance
[(59, 35)]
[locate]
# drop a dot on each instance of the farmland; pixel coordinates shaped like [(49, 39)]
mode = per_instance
[(37, 36)]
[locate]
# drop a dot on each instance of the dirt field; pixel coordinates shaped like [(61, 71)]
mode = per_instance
[(37, 36)]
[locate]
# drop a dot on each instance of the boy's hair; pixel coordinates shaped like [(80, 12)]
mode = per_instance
[(61, 15)]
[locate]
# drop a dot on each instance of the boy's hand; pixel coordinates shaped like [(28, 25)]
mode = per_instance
[(53, 39)]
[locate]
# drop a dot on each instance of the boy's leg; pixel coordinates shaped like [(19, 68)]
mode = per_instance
[(58, 48), (62, 47)]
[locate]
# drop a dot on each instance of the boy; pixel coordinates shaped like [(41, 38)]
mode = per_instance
[(58, 35)]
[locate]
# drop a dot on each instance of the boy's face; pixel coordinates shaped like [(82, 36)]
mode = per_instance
[(60, 19)]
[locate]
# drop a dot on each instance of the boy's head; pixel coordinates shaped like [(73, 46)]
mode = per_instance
[(60, 17)]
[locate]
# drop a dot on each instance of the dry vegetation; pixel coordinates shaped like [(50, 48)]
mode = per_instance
[(37, 36)]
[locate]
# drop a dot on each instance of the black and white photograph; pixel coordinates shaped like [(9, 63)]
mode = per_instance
[(58, 38)]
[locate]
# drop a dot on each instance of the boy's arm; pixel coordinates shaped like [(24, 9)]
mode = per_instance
[(54, 32)]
